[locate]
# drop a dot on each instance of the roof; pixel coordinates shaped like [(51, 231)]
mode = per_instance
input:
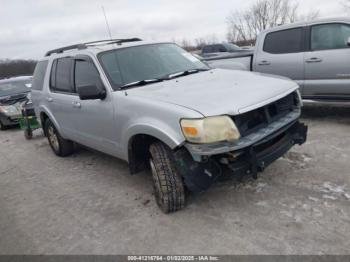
[(98, 46), (306, 23)]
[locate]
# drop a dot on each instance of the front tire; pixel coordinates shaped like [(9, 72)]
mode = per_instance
[(167, 182), (60, 146)]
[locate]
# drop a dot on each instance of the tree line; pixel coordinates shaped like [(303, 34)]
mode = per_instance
[(243, 26), (18, 67)]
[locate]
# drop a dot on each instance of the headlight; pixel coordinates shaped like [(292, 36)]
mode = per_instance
[(210, 129)]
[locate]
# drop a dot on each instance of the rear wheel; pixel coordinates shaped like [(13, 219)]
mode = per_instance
[(168, 184), (60, 146)]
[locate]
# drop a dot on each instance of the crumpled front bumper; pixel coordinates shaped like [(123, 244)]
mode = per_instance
[(260, 155), (200, 167)]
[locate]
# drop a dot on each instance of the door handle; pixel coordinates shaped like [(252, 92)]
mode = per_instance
[(76, 104), (264, 62), (314, 60), (49, 99)]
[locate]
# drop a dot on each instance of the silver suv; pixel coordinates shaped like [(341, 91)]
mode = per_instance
[(156, 106)]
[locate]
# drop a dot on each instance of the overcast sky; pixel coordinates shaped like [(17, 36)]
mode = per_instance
[(30, 27)]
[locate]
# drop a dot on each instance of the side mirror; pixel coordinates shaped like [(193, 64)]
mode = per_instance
[(348, 42), (91, 92)]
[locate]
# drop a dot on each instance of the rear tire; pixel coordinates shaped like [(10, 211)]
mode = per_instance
[(60, 146), (168, 184)]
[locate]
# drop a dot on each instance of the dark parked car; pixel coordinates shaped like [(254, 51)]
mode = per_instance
[(223, 49), (13, 92)]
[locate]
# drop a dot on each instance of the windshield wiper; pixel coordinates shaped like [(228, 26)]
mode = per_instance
[(185, 73), (142, 82), (167, 77)]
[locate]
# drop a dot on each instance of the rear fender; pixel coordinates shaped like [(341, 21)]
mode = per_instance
[(46, 111)]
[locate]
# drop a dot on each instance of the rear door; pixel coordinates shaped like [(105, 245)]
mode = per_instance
[(327, 64), (61, 96), (281, 53)]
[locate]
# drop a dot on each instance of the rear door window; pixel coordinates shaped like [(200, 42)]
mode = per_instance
[(60, 80), (284, 42)]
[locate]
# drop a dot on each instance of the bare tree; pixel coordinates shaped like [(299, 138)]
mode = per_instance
[(11, 68), (263, 14), (200, 43)]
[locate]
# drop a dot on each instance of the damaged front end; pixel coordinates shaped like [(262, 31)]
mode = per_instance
[(201, 170), (267, 134)]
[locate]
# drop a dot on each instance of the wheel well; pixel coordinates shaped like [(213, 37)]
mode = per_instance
[(43, 117), (138, 152)]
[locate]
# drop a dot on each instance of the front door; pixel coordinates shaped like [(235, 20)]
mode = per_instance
[(95, 124), (327, 64)]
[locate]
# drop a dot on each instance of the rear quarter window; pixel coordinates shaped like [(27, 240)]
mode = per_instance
[(60, 79), (284, 42), (39, 75)]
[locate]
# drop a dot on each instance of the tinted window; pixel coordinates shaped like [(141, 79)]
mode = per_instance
[(282, 42), (330, 36), (53, 75), (220, 48), (39, 75), (61, 75), (208, 49), (214, 49), (86, 74)]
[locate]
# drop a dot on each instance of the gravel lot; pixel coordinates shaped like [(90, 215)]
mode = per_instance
[(89, 204)]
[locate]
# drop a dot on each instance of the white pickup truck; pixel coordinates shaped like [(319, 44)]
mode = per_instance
[(314, 54)]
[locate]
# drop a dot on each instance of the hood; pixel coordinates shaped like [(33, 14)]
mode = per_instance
[(218, 91)]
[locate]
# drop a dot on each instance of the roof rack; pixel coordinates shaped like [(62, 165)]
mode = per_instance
[(93, 43)]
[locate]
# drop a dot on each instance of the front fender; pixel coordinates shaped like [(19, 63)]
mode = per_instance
[(169, 135)]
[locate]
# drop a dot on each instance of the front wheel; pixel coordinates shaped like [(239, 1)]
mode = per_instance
[(60, 146), (168, 184)]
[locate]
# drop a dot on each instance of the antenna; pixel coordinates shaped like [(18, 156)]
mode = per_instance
[(107, 24)]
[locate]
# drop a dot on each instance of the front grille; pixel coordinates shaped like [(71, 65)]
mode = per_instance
[(252, 121)]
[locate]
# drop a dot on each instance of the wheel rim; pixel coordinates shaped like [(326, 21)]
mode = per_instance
[(156, 185), (53, 138)]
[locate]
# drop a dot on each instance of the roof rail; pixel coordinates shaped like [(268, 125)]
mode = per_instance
[(93, 43)]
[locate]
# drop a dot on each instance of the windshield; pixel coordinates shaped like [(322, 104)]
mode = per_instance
[(148, 62), (232, 47), (12, 87)]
